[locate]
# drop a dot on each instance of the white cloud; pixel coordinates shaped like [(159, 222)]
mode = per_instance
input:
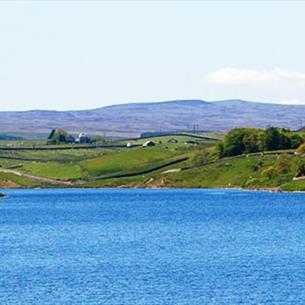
[(292, 102), (232, 76)]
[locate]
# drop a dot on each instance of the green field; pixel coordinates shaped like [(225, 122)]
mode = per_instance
[(148, 167), (87, 164), (251, 172)]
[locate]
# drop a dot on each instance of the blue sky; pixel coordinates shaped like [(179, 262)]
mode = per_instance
[(77, 55)]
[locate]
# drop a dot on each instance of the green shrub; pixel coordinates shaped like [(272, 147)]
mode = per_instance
[(282, 164), (270, 172), (301, 149)]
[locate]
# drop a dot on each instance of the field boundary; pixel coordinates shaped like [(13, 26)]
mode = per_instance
[(97, 179), (266, 153), (143, 172), (65, 147)]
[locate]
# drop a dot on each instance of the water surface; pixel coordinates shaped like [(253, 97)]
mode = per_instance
[(179, 247)]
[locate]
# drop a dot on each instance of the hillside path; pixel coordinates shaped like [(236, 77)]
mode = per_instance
[(36, 178)]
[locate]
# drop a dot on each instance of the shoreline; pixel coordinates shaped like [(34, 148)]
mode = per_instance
[(269, 190)]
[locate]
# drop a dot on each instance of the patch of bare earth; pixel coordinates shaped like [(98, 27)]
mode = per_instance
[(8, 184), (153, 183)]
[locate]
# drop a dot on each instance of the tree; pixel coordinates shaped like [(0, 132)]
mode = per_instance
[(296, 140), (272, 138), (250, 140), (58, 137), (242, 140), (233, 142), (52, 134), (251, 143), (220, 150)]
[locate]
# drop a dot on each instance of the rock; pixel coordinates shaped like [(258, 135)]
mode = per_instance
[(298, 178), (276, 189), (150, 180), (174, 170)]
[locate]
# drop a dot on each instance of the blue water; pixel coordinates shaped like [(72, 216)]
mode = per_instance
[(152, 247)]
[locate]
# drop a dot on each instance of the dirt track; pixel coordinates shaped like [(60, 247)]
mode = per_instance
[(36, 178)]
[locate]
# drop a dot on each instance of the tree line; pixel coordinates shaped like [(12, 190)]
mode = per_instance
[(251, 140)]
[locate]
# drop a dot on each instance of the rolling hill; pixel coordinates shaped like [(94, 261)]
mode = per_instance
[(134, 118)]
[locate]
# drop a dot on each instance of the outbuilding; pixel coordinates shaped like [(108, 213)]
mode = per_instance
[(149, 144), (172, 140), (83, 139)]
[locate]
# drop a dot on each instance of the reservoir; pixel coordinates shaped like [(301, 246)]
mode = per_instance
[(163, 246)]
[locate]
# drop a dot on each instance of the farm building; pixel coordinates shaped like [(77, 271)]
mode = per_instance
[(148, 144), (82, 138)]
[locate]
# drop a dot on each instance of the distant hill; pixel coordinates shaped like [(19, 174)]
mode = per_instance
[(178, 115), (5, 137)]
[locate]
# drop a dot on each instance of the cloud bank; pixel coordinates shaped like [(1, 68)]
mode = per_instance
[(292, 102), (233, 76)]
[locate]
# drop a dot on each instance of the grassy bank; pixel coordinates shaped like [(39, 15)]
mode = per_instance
[(250, 172)]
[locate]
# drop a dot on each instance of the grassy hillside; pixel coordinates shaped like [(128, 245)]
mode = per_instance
[(197, 166), (88, 164), (252, 172), (246, 172)]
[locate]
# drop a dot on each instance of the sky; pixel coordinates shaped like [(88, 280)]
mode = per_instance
[(89, 54)]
